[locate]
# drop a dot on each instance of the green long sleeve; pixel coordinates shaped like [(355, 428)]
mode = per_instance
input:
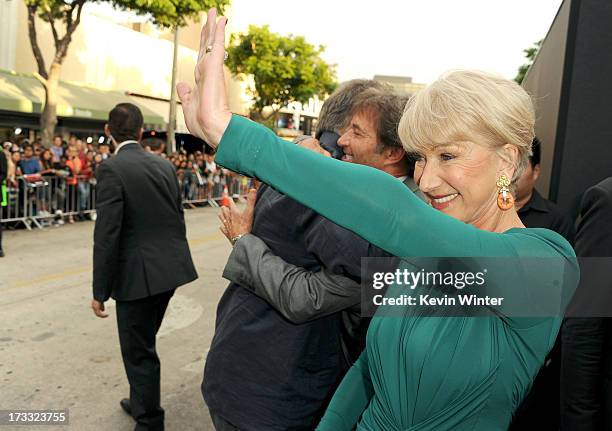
[(344, 411), (365, 200)]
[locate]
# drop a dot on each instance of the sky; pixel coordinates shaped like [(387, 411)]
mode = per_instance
[(416, 38)]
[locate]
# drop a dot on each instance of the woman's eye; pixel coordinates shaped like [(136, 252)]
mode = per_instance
[(446, 157)]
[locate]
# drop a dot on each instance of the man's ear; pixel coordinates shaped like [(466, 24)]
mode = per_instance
[(107, 130), (394, 155), (140, 132), (536, 172)]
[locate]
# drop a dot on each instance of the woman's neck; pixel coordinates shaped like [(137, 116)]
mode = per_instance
[(499, 221)]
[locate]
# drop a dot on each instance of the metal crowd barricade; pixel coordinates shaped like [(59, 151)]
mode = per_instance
[(36, 200), (196, 190), (57, 196)]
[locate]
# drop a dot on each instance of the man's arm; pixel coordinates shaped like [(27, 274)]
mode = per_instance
[(298, 294), (107, 232)]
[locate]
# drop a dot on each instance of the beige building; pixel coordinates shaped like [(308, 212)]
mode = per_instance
[(118, 57), (111, 57), (402, 84)]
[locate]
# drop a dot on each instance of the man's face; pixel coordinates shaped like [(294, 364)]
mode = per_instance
[(28, 152), (360, 143), (103, 149), (526, 182), (57, 141)]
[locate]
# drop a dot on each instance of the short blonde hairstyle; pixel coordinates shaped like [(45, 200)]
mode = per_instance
[(474, 106)]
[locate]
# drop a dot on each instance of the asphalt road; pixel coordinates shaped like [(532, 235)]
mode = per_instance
[(55, 354)]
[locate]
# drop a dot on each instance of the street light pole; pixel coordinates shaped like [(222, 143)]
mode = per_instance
[(170, 141)]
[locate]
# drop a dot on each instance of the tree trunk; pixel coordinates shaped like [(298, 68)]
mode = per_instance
[(170, 141), (48, 117)]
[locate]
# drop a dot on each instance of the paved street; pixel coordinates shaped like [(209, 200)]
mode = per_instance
[(55, 354)]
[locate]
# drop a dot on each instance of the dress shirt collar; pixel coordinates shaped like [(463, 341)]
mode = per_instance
[(124, 143), (535, 202)]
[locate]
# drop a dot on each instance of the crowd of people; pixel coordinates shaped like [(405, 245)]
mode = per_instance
[(57, 184)]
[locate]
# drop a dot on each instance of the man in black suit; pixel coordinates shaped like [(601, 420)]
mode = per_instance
[(586, 368), (141, 255)]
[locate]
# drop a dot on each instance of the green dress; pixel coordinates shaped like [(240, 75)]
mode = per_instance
[(416, 372)]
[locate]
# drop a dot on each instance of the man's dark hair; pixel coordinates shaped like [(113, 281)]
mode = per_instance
[(125, 121), (30, 146), (336, 111), (385, 106), (534, 159)]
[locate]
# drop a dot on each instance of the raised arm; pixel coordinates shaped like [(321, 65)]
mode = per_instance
[(365, 200)]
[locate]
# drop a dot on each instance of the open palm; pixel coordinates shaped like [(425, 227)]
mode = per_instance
[(205, 105)]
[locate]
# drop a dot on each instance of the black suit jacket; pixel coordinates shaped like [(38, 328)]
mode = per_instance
[(540, 212), (586, 373), (140, 246)]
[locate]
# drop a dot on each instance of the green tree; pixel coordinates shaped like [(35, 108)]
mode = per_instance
[(285, 69), (64, 16), (530, 54)]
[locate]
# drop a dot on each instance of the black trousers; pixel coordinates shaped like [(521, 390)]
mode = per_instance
[(138, 322)]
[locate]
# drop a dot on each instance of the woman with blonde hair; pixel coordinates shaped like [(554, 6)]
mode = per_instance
[(472, 133)]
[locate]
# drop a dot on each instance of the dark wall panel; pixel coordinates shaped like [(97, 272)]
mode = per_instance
[(587, 142)]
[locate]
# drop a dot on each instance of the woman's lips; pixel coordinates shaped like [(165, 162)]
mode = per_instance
[(441, 202)]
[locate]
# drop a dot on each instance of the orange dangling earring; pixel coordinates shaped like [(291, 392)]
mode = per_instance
[(505, 200)]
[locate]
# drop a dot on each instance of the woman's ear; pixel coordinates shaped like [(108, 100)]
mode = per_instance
[(509, 161)]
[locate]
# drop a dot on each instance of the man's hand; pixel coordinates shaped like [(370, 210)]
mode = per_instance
[(98, 308), (234, 222), (313, 145)]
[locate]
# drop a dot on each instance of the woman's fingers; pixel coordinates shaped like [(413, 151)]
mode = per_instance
[(219, 38), (205, 106), (205, 40), (207, 33)]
